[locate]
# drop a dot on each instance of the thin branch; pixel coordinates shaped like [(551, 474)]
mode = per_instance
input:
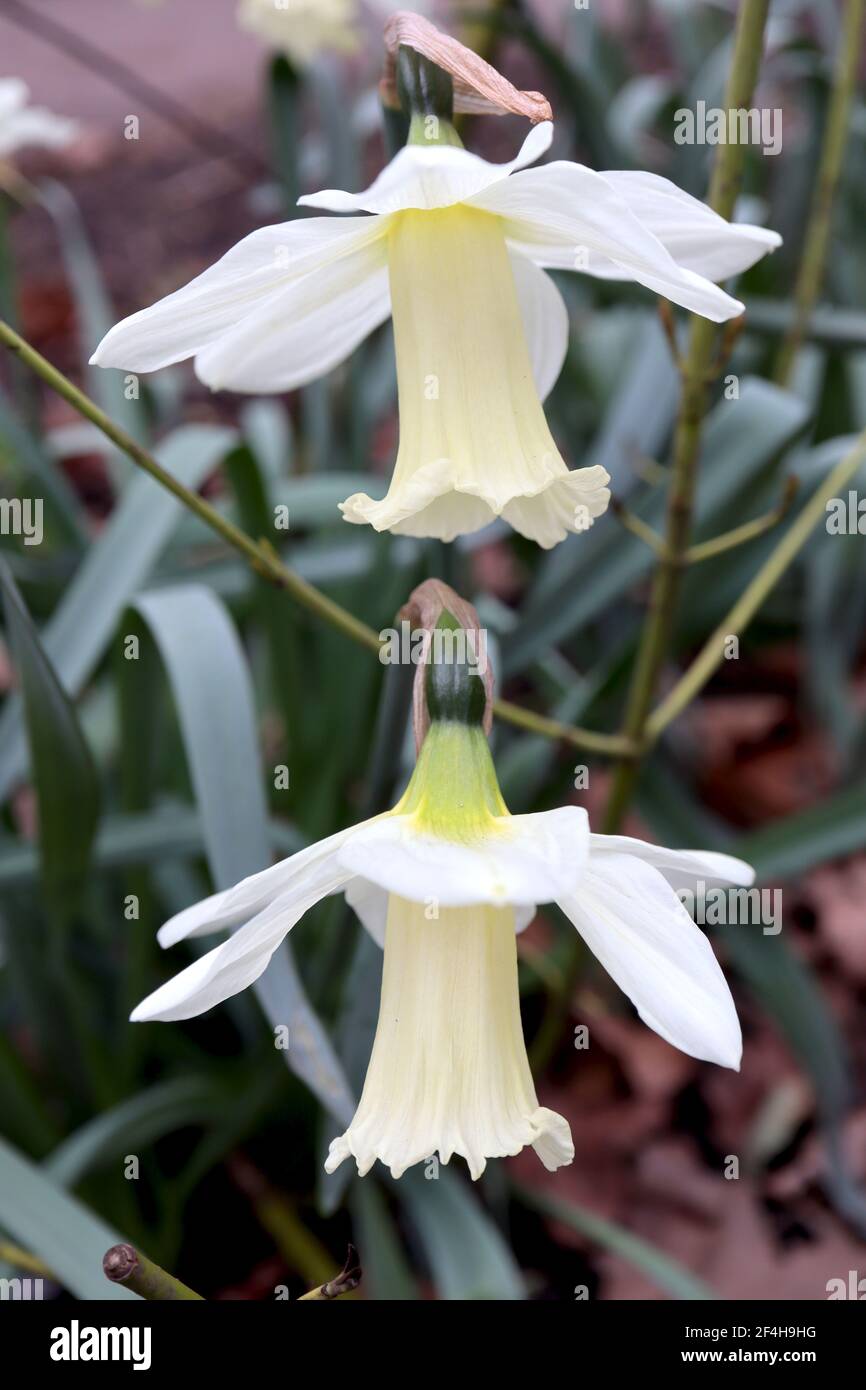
[(811, 272), (729, 540), (730, 333), (22, 1259), (614, 745), (638, 527), (265, 560), (701, 360), (668, 322), (747, 605), (348, 1279), (125, 1265)]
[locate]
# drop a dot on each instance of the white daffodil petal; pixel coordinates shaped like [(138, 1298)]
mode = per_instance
[(369, 902), (448, 1071), (683, 868), (697, 238), (522, 859), (264, 263), (431, 176), (563, 215), (239, 961), (13, 95), (632, 920), (34, 126), (570, 503), (553, 1143), (304, 330), (201, 919), (249, 896), (524, 915), (438, 500), (545, 321)]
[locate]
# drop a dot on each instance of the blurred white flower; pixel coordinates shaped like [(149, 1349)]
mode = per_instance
[(456, 248), (22, 125), (443, 881), (302, 29)]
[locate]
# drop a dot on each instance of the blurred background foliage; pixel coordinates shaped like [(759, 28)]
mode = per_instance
[(154, 780)]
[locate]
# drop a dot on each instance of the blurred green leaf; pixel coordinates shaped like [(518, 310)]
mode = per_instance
[(84, 622), (202, 655), (169, 832), (658, 1267), (283, 95), (64, 775), (40, 476), (134, 1124), (387, 1274), (741, 437), (94, 314), (831, 325), (778, 979), (49, 1223), (791, 846), (468, 1257)]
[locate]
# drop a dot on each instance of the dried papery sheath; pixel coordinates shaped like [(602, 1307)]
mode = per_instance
[(478, 87), (424, 609)]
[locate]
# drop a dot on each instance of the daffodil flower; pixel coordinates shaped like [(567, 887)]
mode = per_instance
[(302, 29), (443, 881), (22, 125), (456, 248)]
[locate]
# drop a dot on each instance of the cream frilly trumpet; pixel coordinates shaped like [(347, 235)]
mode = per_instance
[(457, 249), (443, 882)]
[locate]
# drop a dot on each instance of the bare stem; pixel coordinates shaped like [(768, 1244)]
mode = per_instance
[(123, 1264), (811, 273), (22, 1259), (729, 540), (265, 560), (747, 605), (698, 366)]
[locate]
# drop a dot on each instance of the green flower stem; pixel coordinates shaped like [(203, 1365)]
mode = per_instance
[(729, 540), (265, 561), (260, 555), (427, 96), (747, 605), (22, 1259), (123, 1264), (811, 272), (698, 368)]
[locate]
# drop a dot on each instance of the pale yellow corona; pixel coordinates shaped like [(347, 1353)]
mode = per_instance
[(444, 882), (449, 1072), (458, 249), (474, 441), (302, 29)]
